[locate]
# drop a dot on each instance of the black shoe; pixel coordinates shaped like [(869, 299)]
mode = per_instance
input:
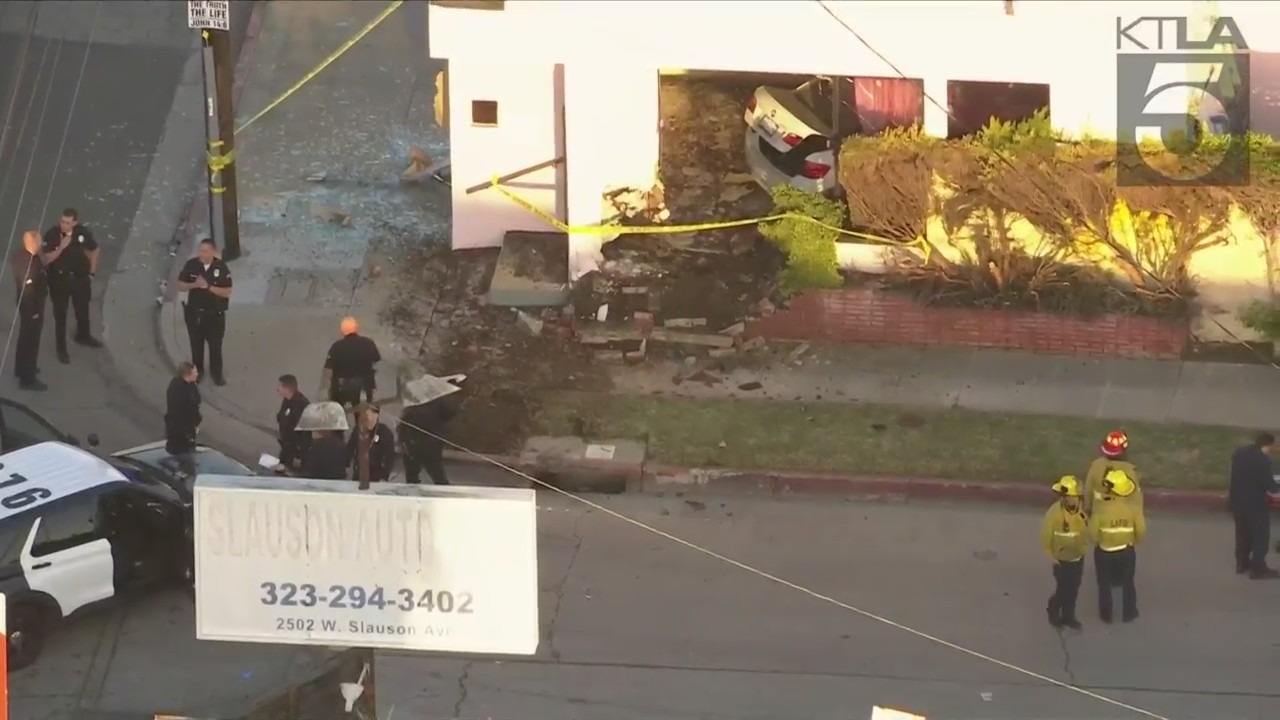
[(1264, 574), (1105, 618), (32, 385), (1130, 617), (1242, 569), (89, 341), (219, 380), (1054, 619), (63, 357)]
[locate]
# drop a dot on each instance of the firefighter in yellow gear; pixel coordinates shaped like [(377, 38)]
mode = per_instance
[(1114, 456), (1116, 527), (1065, 538)]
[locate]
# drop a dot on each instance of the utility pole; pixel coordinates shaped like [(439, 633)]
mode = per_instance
[(212, 18)]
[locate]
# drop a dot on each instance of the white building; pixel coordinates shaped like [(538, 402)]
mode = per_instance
[(571, 86)]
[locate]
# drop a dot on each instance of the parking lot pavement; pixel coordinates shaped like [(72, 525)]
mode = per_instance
[(638, 628)]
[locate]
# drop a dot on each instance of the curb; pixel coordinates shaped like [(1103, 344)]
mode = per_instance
[(661, 479)]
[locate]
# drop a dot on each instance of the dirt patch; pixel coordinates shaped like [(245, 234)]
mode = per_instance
[(718, 275), (439, 309)]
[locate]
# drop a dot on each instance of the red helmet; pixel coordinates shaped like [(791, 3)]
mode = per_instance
[(1115, 443)]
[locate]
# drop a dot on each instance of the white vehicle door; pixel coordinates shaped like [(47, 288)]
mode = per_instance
[(66, 556)]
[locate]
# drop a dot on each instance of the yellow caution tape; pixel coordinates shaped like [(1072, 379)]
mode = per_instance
[(326, 63), (616, 229), (218, 161)]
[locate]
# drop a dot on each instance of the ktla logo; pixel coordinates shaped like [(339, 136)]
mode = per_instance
[(1181, 89)]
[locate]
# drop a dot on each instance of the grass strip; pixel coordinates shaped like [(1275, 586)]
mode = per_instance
[(889, 440)]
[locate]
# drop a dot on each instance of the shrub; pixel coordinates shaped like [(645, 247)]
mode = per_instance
[(984, 187), (1262, 318), (809, 246)]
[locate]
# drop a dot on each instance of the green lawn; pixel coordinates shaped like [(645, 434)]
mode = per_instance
[(886, 440)]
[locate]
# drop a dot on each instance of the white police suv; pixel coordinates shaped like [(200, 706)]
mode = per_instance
[(75, 531)]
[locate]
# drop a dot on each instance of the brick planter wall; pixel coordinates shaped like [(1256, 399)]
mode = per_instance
[(862, 315)]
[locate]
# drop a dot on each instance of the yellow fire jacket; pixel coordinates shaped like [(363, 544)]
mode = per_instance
[(1064, 534)]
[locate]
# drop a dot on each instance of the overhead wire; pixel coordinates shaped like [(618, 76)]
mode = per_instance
[(687, 544), (53, 177), (791, 585), (26, 178)]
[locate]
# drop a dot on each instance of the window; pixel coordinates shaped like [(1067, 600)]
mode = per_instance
[(484, 112), (13, 535), (471, 4), (68, 524), (21, 427)]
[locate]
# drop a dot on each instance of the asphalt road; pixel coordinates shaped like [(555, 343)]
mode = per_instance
[(636, 627), (85, 99)]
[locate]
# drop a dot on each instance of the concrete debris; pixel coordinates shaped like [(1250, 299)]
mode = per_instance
[(317, 176), (644, 320), (721, 353), (734, 193), (690, 360), (685, 322), (798, 353), (532, 324), (735, 329), (765, 307), (739, 178), (630, 203), (331, 213), (419, 166), (696, 339), (752, 344)]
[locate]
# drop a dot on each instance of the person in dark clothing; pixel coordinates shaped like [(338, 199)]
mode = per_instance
[(207, 282), (421, 427), (293, 444), (349, 368), (372, 447), (327, 456), (71, 260), (33, 290), (182, 411), (1251, 480)]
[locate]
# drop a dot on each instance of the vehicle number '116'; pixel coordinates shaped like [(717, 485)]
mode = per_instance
[(355, 597)]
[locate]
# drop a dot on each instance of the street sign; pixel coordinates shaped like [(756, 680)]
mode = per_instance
[(209, 14), (404, 567)]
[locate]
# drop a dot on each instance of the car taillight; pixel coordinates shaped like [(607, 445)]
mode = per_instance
[(792, 139), (751, 103), (814, 171)]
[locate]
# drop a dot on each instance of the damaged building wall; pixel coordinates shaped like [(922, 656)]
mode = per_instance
[(502, 119), (611, 141)]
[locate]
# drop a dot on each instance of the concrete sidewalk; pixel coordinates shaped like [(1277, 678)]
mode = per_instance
[(325, 219)]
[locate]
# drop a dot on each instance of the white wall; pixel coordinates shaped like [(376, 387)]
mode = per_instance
[(524, 136)]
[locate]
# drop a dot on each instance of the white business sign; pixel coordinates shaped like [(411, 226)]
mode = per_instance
[(209, 14), (411, 567)]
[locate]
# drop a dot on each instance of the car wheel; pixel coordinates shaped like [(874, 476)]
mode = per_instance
[(27, 627)]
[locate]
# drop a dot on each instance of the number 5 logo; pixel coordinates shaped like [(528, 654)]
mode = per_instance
[(1155, 96)]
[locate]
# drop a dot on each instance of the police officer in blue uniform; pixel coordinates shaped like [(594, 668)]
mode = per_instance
[(207, 282), (71, 261)]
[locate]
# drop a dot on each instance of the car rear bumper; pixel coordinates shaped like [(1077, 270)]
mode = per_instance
[(766, 174)]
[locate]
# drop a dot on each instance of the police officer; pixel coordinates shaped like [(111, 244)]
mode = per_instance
[(293, 444), (1064, 535), (421, 427), (33, 290), (326, 458), (71, 260), (1252, 478), (372, 447), (207, 282), (1116, 526), (1114, 455), (349, 367), (182, 411)]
